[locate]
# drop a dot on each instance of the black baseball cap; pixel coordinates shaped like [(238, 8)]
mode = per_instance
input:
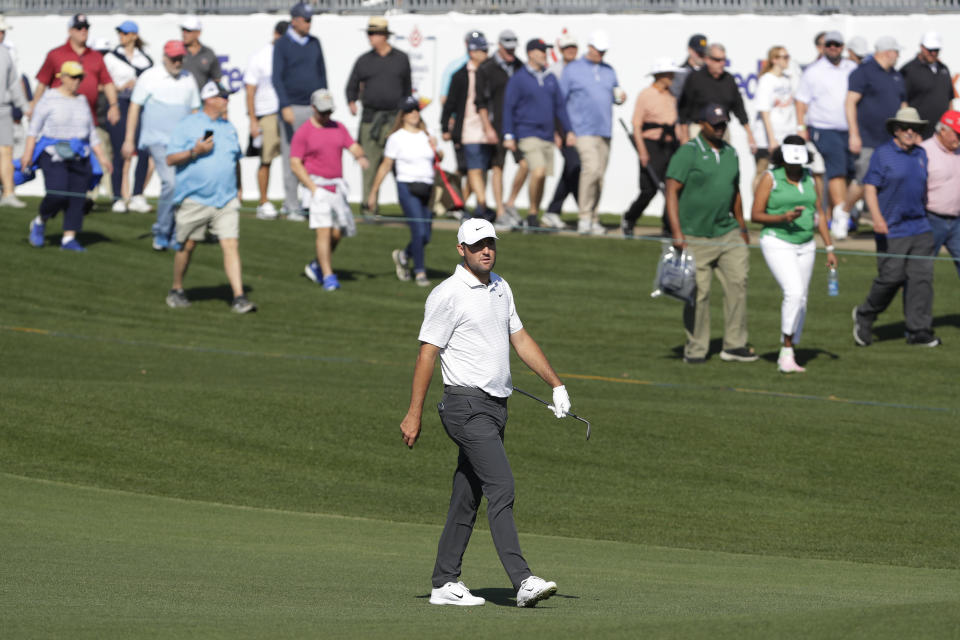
[(698, 42), (409, 104), (538, 44), (714, 113), (79, 21)]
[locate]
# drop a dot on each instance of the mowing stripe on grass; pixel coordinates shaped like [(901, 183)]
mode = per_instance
[(578, 376)]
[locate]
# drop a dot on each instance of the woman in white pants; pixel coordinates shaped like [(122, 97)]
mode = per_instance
[(787, 203)]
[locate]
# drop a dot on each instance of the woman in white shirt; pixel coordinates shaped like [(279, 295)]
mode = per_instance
[(412, 152), (776, 112), (125, 63)]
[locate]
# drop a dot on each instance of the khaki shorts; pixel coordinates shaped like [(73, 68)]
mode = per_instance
[(538, 152), (193, 220), (270, 149)]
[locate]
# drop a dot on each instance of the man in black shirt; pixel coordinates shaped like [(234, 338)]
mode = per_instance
[(928, 83), (696, 51), (380, 80), (711, 85), (492, 79)]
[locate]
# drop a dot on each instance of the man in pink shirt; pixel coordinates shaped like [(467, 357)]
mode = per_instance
[(943, 188), (316, 158)]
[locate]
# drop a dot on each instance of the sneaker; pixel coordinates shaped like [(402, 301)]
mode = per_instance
[(177, 299), (119, 206), (740, 354), (597, 229), (455, 593), (923, 339), (12, 202), (584, 227), (296, 216), (421, 280), (503, 225), (160, 243), (840, 225), (531, 223), (71, 245), (533, 590), (512, 215), (626, 228), (36, 233), (786, 363), (400, 264), (861, 332), (330, 282), (552, 220), (313, 272), (139, 204), (242, 305), (689, 360), (267, 211)]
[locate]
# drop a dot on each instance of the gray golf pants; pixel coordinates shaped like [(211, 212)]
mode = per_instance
[(301, 113), (915, 275), (475, 421)]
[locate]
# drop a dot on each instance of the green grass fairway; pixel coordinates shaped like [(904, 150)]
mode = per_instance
[(103, 564), (193, 473)]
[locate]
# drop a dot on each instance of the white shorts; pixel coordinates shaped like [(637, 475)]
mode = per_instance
[(328, 210)]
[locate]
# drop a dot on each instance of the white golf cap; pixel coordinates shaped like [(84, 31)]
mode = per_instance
[(931, 40), (322, 100), (858, 44), (474, 230), (886, 43), (4, 25), (213, 90), (191, 23), (663, 65), (566, 40), (599, 40), (794, 153)]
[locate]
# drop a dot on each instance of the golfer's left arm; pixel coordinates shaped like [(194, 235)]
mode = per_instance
[(532, 356), (422, 374)]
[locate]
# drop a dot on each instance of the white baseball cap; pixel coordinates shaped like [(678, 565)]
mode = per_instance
[(931, 40), (474, 230), (566, 40), (212, 90), (599, 40), (322, 100), (191, 23), (858, 44), (886, 43)]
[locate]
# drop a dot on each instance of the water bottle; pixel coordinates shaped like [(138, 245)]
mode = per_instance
[(833, 283)]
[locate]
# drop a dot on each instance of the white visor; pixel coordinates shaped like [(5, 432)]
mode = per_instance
[(794, 154)]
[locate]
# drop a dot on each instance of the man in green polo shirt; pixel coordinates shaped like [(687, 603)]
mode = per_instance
[(703, 189)]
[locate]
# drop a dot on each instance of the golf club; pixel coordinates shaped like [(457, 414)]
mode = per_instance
[(544, 402), (650, 172)]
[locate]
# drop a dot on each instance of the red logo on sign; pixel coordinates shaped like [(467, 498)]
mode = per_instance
[(416, 37)]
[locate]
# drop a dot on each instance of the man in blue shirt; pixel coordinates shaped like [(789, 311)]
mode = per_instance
[(895, 192), (206, 152), (590, 90), (875, 91), (532, 105), (298, 71)]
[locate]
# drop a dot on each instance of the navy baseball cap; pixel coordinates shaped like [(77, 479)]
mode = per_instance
[(698, 42), (477, 42), (302, 10), (538, 44), (714, 114), (409, 104)]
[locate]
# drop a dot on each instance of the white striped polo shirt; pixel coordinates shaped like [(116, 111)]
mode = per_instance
[(471, 323)]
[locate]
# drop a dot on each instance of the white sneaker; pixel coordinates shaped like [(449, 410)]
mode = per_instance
[(400, 264), (598, 229), (840, 223), (552, 220), (584, 227), (455, 593), (296, 216), (533, 590), (267, 211), (512, 215), (139, 204), (119, 206), (12, 201), (786, 362)]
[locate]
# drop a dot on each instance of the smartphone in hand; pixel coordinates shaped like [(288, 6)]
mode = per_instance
[(208, 134)]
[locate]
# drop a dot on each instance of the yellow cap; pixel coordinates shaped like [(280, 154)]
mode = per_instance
[(71, 68)]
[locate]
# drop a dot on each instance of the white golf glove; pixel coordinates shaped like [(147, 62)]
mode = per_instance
[(561, 402)]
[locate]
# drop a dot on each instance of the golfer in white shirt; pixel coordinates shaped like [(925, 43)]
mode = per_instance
[(470, 321)]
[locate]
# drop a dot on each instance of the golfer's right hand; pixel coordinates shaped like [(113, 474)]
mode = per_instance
[(679, 242), (410, 428)]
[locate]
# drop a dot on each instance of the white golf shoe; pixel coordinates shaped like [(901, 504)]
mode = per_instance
[(455, 593), (533, 590), (139, 204)]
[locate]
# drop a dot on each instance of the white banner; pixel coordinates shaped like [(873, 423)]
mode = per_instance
[(432, 41)]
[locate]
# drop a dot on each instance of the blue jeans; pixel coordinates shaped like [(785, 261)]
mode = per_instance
[(419, 219), (946, 231), (163, 228)]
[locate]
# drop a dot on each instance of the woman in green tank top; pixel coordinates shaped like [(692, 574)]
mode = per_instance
[(787, 204)]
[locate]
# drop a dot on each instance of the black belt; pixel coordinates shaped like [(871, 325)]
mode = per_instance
[(940, 215), (473, 392)]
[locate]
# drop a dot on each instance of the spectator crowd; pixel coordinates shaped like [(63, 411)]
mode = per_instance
[(855, 125)]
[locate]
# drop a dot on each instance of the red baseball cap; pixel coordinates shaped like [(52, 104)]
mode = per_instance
[(174, 48), (952, 119)]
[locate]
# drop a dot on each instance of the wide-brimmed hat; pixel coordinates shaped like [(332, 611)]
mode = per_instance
[(663, 65), (907, 115), (379, 25), (4, 25)]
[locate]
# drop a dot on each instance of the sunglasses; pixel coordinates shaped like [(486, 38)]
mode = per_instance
[(717, 59), (79, 77), (82, 27), (176, 58), (833, 43), (908, 127), (934, 52)]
